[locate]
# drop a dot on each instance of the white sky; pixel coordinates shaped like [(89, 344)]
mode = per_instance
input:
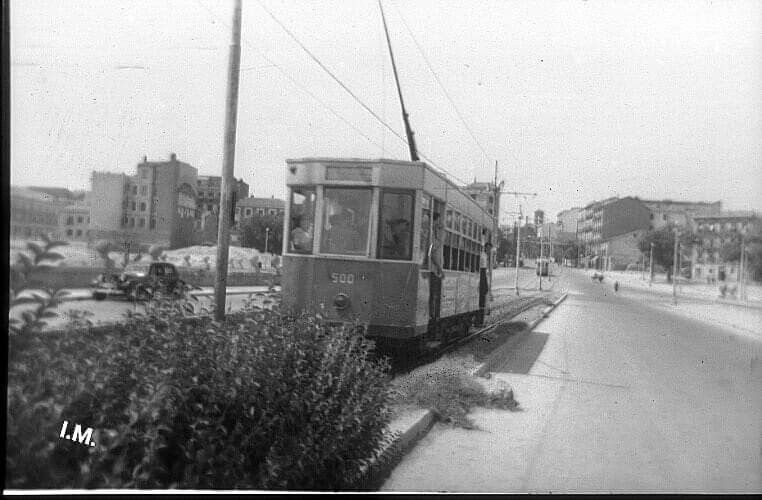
[(577, 100)]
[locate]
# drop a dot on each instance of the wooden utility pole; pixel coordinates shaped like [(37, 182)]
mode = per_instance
[(493, 250), (675, 269), (518, 232), (228, 161), (651, 266)]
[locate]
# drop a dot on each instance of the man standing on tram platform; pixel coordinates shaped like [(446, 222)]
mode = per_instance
[(483, 280), (437, 273)]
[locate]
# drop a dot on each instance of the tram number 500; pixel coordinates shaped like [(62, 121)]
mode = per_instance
[(347, 278)]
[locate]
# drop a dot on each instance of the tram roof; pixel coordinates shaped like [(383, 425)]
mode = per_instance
[(422, 176)]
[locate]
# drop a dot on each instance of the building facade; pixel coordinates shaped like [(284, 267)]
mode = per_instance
[(209, 189), (484, 194), (567, 220), (605, 220), (33, 214), (712, 234), (679, 213), (74, 222), (156, 205)]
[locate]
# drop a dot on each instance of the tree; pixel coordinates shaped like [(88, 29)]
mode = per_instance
[(731, 250), (254, 233), (664, 245)]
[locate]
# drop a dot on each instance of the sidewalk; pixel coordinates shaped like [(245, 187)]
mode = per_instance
[(700, 291)]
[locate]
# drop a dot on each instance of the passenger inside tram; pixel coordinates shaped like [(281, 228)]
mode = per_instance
[(301, 238), (342, 235), (398, 246)]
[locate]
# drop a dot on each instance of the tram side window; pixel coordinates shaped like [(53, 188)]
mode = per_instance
[(302, 220), (446, 250), (395, 238), (462, 256), (448, 219), (425, 230)]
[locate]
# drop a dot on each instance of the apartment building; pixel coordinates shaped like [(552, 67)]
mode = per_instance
[(713, 233), (609, 231), (679, 213)]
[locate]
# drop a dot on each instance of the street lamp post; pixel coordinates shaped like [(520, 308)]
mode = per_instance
[(267, 236)]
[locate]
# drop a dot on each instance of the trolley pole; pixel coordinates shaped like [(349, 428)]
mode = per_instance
[(675, 270), (228, 161)]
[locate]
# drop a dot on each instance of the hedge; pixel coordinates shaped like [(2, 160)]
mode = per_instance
[(255, 402)]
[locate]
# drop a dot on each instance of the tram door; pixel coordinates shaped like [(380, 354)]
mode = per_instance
[(436, 264)]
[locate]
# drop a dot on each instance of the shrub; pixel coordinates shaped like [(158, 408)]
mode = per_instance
[(256, 401)]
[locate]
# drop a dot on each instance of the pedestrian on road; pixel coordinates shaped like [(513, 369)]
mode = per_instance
[(616, 286)]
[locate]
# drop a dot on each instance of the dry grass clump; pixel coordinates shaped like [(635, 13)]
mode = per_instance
[(451, 393)]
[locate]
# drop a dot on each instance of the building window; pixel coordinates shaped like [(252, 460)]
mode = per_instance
[(143, 190), (152, 224), (79, 232), (141, 222), (134, 206), (69, 232), (142, 206), (80, 219), (134, 190), (144, 173), (69, 220), (664, 217), (248, 212), (273, 212), (652, 216), (88, 220), (132, 221), (125, 220), (261, 211)]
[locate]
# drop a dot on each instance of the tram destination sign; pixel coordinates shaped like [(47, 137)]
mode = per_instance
[(348, 174)]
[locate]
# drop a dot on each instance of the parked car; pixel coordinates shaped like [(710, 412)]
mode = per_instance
[(140, 282)]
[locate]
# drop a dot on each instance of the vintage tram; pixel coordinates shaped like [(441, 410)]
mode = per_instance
[(358, 241)]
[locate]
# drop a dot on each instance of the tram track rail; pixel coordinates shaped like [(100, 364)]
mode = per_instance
[(499, 315)]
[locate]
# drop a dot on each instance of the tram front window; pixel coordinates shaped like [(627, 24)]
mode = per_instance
[(395, 237), (345, 221), (302, 220)]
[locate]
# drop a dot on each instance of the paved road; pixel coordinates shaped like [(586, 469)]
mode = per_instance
[(112, 310), (619, 394)]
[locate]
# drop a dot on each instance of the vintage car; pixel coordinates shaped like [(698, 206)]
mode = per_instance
[(139, 282)]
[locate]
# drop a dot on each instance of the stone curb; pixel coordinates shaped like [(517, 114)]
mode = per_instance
[(379, 470), (484, 367)]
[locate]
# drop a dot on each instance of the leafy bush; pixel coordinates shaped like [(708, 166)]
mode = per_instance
[(175, 401), (33, 319)]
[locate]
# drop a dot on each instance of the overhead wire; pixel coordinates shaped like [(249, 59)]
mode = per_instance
[(296, 83), (441, 85), (348, 90)]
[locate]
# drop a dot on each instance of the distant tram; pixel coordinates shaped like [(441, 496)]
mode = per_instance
[(392, 246)]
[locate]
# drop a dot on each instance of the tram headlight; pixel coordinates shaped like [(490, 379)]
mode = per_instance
[(341, 301)]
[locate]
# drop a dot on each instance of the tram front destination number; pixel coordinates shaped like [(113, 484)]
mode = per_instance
[(347, 278)]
